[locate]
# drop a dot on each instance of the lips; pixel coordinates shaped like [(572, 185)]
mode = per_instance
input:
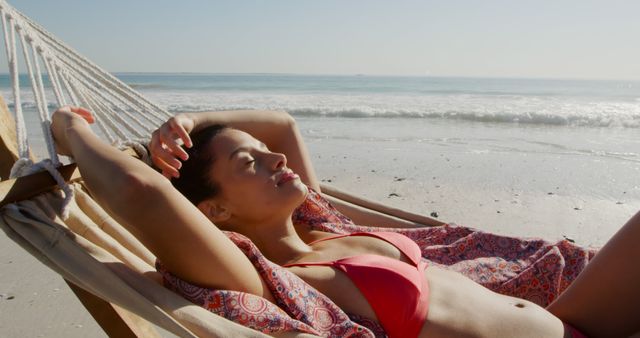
[(286, 177)]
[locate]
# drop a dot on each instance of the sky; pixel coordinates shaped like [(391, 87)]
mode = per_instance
[(578, 39)]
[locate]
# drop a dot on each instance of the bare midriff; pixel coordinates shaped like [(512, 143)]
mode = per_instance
[(458, 307)]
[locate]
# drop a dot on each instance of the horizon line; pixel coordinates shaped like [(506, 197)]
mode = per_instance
[(364, 75)]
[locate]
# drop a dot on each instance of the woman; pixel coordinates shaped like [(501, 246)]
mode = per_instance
[(235, 181)]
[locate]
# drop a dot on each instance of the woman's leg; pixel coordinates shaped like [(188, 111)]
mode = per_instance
[(604, 300)]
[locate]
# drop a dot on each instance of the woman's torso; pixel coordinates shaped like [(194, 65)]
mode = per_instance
[(457, 305)]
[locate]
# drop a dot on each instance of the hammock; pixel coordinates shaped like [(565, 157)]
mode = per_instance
[(71, 234), (67, 230)]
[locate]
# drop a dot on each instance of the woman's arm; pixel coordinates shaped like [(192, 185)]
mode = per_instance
[(276, 129), (186, 242), (603, 300)]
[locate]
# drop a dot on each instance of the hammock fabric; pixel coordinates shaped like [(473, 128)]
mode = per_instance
[(96, 253), (531, 268)]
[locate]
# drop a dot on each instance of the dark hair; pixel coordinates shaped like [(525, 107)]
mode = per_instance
[(195, 181)]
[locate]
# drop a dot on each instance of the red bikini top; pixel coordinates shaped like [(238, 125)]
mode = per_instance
[(397, 291)]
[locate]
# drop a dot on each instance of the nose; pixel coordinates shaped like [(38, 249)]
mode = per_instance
[(279, 160)]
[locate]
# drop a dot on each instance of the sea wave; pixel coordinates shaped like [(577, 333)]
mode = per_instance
[(512, 109), (477, 108), (489, 117)]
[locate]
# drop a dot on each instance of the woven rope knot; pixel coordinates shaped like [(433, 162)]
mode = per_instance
[(20, 167), (25, 166)]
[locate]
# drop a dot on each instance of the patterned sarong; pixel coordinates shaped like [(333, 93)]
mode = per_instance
[(529, 268)]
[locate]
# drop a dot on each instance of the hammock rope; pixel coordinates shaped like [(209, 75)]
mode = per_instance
[(10, 44), (123, 116)]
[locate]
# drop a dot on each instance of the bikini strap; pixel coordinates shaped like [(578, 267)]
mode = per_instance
[(328, 238)]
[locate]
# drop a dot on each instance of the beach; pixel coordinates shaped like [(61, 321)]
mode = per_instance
[(488, 177), (544, 159)]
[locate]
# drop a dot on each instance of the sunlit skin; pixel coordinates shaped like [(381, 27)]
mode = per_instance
[(258, 196), (252, 204)]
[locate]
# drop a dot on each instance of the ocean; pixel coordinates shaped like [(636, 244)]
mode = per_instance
[(402, 107), (515, 101), (597, 120), (470, 149), (518, 101)]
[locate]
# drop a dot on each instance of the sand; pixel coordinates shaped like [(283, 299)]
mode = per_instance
[(474, 193), (513, 193)]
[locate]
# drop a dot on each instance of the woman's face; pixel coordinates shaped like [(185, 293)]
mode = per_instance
[(255, 184)]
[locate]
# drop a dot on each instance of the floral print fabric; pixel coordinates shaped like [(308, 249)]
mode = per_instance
[(530, 268)]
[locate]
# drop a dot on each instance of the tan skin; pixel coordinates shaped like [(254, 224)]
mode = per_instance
[(255, 202)]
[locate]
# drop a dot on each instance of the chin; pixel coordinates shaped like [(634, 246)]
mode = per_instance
[(303, 187), (297, 192)]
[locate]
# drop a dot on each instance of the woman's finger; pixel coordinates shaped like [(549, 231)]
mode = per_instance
[(84, 113), (156, 149), (166, 156), (170, 142), (165, 167), (182, 133), (153, 143), (89, 118), (167, 170), (156, 144), (169, 159)]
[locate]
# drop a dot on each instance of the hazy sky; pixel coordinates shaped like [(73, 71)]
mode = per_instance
[(558, 39)]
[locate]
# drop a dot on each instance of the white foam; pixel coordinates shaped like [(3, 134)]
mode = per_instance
[(513, 109), (480, 108)]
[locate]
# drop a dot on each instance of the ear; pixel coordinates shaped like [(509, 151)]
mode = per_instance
[(214, 211)]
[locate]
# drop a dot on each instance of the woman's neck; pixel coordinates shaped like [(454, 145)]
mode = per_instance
[(278, 241)]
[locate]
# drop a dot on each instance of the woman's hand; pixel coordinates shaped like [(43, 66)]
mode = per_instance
[(164, 146), (63, 119)]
